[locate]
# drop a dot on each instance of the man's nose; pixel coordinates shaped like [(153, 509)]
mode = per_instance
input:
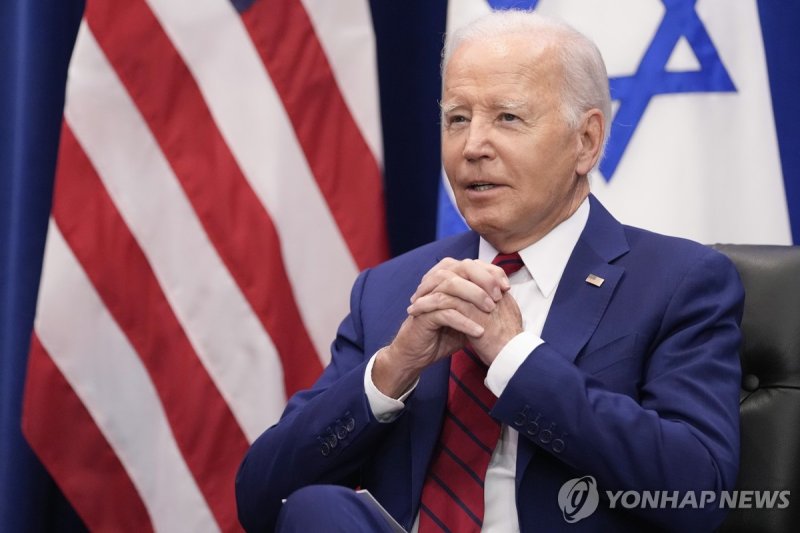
[(478, 144)]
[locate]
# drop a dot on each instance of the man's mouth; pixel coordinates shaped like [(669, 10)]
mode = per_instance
[(481, 186)]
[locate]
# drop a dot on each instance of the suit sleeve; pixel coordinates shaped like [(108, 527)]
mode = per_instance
[(680, 434), (323, 436)]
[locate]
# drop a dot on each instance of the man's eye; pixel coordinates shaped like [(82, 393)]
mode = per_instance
[(455, 119), (508, 117)]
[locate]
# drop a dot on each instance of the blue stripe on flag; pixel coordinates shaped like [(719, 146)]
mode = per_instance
[(513, 4), (448, 219)]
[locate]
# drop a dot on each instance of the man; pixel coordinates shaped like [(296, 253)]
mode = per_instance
[(611, 352)]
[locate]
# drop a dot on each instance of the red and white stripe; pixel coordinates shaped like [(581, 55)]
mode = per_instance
[(218, 188)]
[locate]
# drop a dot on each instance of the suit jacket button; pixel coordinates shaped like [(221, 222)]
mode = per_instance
[(558, 444), (522, 416)]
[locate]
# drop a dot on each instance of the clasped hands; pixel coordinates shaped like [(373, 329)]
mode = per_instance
[(456, 303)]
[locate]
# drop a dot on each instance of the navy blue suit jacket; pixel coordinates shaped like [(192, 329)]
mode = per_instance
[(637, 384)]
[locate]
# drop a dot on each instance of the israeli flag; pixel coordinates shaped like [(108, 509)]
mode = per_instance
[(694, 148)]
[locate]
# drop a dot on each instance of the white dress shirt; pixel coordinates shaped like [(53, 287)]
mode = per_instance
[(533, 288)]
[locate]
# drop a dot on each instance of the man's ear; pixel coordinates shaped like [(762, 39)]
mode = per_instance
[(591, 133)]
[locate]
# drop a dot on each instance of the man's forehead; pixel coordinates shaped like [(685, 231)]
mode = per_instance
[(512, 57), (501, 76)]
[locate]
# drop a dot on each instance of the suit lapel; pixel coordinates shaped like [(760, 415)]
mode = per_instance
[(578, 305), (427, 404)]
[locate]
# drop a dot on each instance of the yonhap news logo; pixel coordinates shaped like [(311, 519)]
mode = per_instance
[(578, 499)]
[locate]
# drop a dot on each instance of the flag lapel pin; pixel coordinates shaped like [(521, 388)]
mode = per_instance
[(594, 280)]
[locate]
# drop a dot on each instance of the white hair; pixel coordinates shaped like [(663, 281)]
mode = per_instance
[(585, 84)]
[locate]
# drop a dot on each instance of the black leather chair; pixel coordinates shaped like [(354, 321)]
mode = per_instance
[(770, 398)]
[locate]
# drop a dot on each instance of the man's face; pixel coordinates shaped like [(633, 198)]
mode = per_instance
[(509, 154)]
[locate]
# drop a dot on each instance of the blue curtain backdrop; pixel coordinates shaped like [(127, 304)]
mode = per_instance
[(36, 38), (779, 23), (409, 38)]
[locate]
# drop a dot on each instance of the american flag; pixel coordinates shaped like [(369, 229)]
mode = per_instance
[(218, 188)]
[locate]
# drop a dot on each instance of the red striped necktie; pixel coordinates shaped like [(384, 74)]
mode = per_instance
[(452, 496)]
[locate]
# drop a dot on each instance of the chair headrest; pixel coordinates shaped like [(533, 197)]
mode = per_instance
[(771, 321)]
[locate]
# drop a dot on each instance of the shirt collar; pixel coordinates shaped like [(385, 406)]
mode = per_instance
[(547, 258)]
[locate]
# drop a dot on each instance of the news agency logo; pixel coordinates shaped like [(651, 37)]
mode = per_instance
[(578, 498)]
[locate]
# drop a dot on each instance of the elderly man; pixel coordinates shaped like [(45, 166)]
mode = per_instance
[(590, 357)]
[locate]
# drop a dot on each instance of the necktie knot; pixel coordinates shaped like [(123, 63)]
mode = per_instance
[(510, 263)]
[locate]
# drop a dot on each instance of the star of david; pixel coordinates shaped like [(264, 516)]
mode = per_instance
[(651, 77)]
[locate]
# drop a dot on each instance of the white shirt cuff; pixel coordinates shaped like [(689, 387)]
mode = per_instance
[(509, 360), (384, 408)]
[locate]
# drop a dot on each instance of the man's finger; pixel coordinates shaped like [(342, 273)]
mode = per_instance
[(450, 318), (439, 301), (489, 278)]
